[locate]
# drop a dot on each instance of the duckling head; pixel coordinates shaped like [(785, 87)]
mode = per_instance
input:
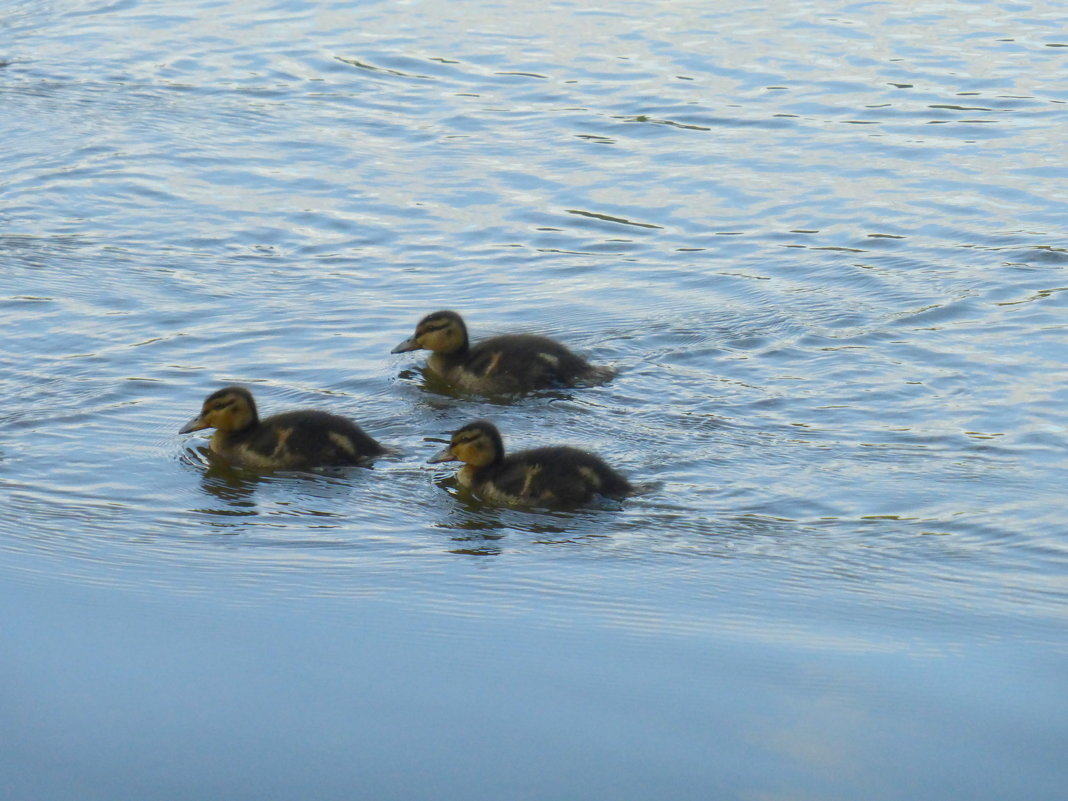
[(229, 409), (477, 444), (440, 332)]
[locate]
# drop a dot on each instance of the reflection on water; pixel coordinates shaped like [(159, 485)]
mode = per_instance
[(234, 487), (825, 251), (316, 498)]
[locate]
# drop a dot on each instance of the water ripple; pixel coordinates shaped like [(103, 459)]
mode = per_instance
[(831, 281)]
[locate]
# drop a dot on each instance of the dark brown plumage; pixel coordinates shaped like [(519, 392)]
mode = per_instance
[(506, 364), (551, 476), (290, 440)]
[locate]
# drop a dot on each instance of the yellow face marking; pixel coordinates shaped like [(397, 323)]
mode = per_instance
[(440, 336), (228, 413), (472, 448)]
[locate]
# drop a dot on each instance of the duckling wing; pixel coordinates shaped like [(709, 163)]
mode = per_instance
[(517, 480), (582, 475), (525, 360), (307, 438), (557, 476)]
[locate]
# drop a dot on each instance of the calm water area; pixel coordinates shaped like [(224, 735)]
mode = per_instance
[(825, 245)]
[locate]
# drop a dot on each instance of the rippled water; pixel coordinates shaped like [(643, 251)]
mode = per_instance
[(825, 246)]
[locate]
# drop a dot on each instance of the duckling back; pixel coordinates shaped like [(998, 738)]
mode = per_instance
[(301, 439), (550, 476), (519, 363)]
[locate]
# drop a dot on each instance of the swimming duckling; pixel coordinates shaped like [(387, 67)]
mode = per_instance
[(291, 440), (553, 476), (510, 363)]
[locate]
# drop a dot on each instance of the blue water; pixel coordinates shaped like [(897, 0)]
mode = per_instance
[(825, 247)]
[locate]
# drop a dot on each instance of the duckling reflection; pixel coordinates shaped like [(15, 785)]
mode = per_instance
[(506, 364), (224, 481), (291, 440), (551, 476)]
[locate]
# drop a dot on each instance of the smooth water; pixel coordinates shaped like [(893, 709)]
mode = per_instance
[(824, 244)]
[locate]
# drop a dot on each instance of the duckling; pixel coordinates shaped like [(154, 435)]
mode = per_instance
[(290, 440), (507, 364), (553, 476)]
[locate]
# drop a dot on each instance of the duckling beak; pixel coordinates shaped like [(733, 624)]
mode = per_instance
[(193, 425), (444, 455), (409, 344)]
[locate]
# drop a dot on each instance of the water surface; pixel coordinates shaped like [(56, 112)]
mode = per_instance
[(823, 244)]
